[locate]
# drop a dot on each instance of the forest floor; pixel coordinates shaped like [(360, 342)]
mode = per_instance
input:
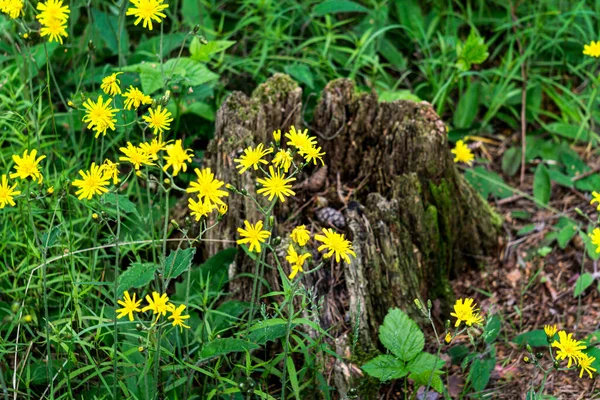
[(528, 288)]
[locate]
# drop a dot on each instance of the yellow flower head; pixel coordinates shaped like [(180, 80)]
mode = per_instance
[(300, 235), (50, 190), (93, 182), (448, 338), (592, 49), (110, 170), (296, 261), (283, 159), (27, 166), (200, 208), (252, 158), (130, 305), (159, 120), (177, 157), (254, 235), (135, 98), (335, 243), (595, 199), (158, 303), (208, 187), (7, 193), (223, 209), (147, 10), (462, 153), (111, 84), (313, 153), (568, 348), (154, 147), (13, 8), (52, 10), (585, 363), (55, 29), (466, 311), (277, 136), (595, 236), (276, 185), (550, 330), (300, 140), (99, 115), (178, 318), (135, 156)]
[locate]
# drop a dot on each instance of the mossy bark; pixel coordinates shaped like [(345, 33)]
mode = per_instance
[(412, 218)]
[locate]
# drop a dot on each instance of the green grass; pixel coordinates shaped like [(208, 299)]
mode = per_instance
[(57, 294)]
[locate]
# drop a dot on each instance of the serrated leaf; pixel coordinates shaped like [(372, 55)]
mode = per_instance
[(219, 347), (541, 184), (385, 368), (338, 6), (492, 328), (178, 261), (424, 362), (138, 275), (425, 378), (583, 282), (401, 335), (472, 51), (535, 338)]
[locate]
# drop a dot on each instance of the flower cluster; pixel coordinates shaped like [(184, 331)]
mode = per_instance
[(276, 184), (53, 17), (159, 305), (95, 180), (465, 310), (26, 166), (571, 350)]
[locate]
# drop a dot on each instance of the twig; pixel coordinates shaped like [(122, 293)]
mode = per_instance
[(523, 94)]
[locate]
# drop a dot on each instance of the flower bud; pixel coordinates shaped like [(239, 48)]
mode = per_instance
[(196, 29), (175, 224), (526, 360), (167, 181), (188, 222), (277, 136), (528, 347), (15, 307), (271, 221), (91, 46), (94, 216), (50, 190), (277, 241), (429, 305), (71, 104), (27, 318), (223, 209)]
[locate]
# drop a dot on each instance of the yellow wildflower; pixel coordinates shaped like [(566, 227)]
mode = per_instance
[(283, 159), (154, 147), (27, 166), (130, 305), (335, 243), (313, 153), (568, 348), (177, 157), (462, 153), (52, 10), (99, 115), (147, 10), (93, 182), (296, 261), (111, 84), (448, 338), (110, 170), (595, 236), (467, 311), (276, 185), (207, 186), (178, 318), (277, 136), (300, 235), (135, 156), (55, 29), (158, 303), (300, 140), (13, 8), (595, 199), (200, 208), (159, 120), (592, 49), (252, 158), (135, 98), (585, 363), (254, 235), (7, 193), (550, 330)]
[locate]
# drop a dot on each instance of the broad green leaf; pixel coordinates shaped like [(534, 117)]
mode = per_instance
[(301, 73), (338, 6), (263, 334), (138, 275), (425, 378), (541, 184), (472, 51), (583, 282), (488, 183), (467, 107), (536, 338), (204, 52), (492, 328), (178, 261), (565, 234), (401, 335), (201, 109), (219, 347), (125, 205), (385, 368), (106, 27), (511, 161), (424, 362), (480, 372), (560, 178), (458, 353), (573, 132)]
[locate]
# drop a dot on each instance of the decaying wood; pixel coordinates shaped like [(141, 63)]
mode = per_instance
[(413, 220)]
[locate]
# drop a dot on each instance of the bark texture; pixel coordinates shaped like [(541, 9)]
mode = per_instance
[(390, 185)]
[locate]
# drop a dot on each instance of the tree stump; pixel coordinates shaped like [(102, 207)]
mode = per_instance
[(390, 185)]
